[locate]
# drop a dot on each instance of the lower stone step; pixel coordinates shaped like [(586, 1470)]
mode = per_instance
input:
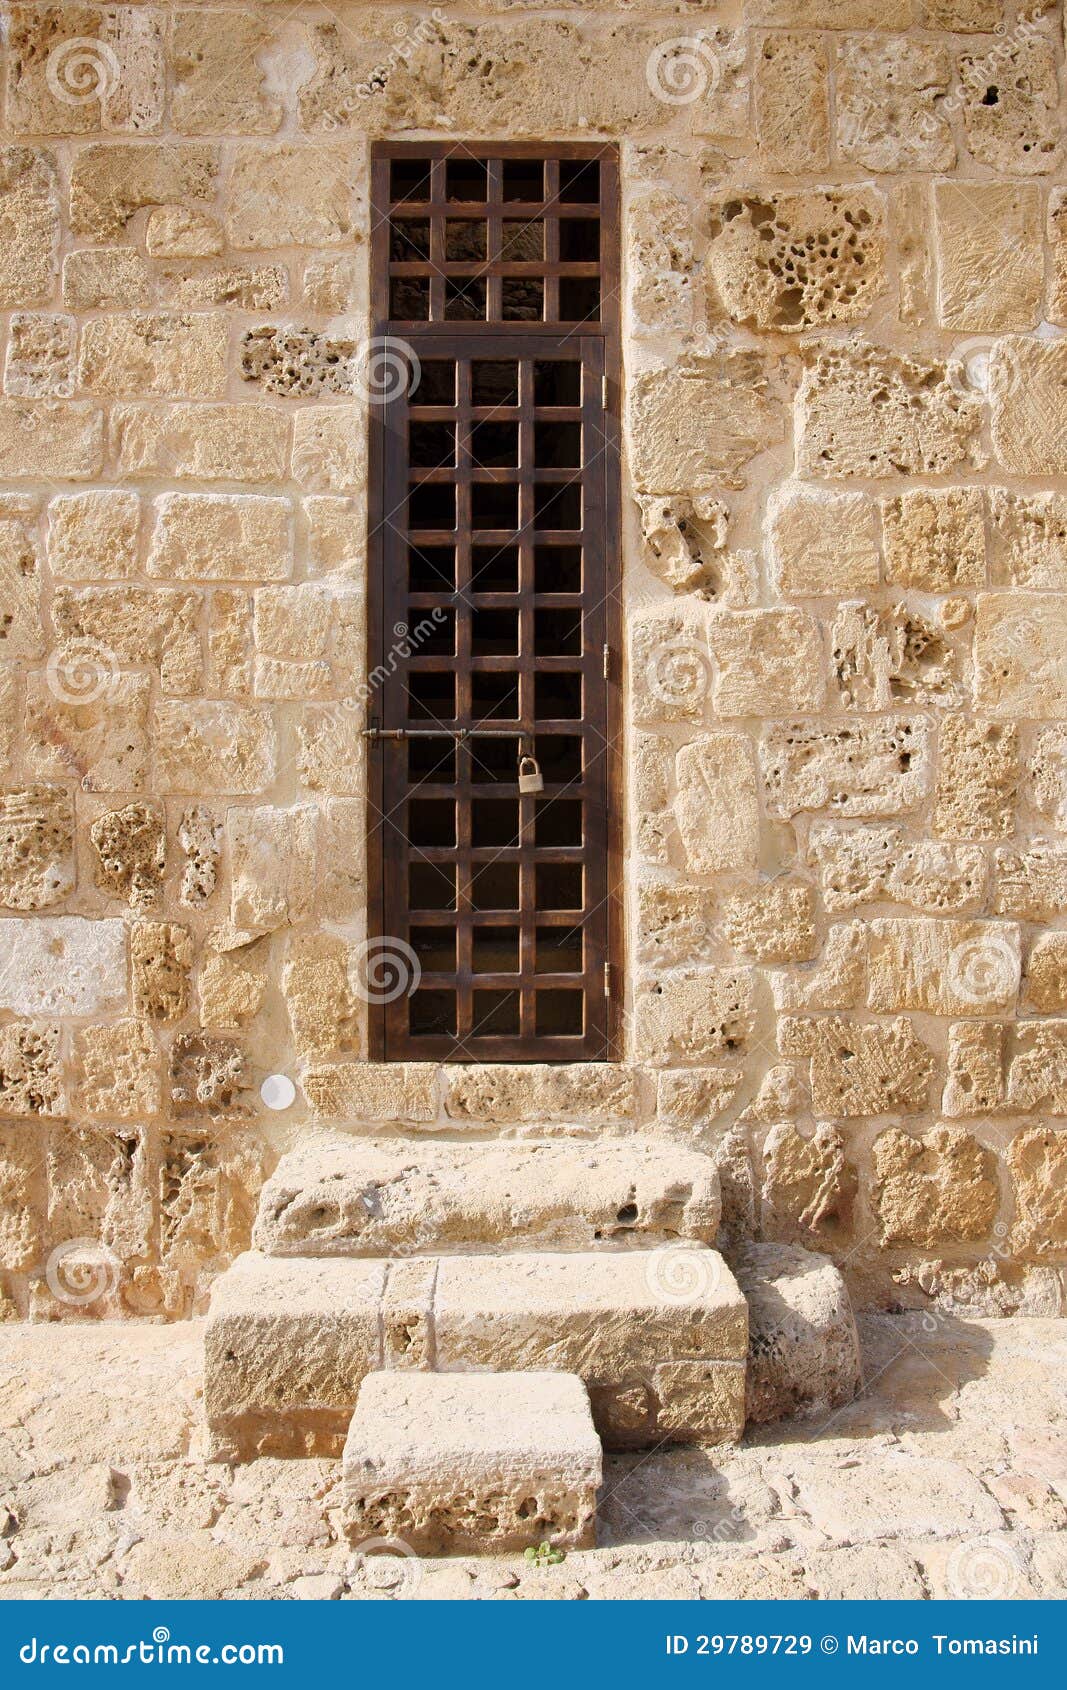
[(355, 1197), (472, 1463), (658, 1336)]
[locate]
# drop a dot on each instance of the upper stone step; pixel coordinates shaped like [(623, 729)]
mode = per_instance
[(357, 1197)]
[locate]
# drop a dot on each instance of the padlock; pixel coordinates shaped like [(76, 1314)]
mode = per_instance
[(533, 780)]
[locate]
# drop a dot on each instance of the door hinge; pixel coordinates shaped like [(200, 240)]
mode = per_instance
[(607, 979), (607, 662), (603, 393)]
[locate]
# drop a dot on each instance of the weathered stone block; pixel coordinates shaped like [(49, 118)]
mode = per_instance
[(62, 965), (880, 767), (204, 746), (803, 1347), (130, 849), (1011, 105), (221, 536), (93, 536), (36, 847), (863, 865), (506, 1094), (1031, 884), (808, 1185), (99, 1188), (674, 924), (768, 662), (773, 923), (60, 440), (104, 279), (860, 1068), (670, 671), (791, 90), (110, 181), (218, 81), (1037, 1158), (694, 428), (975, 1082), (977, 779), (1037, 1072), (31, 1070), (21, 1233), (161, 961), (822, 543), (716, 806), (208, 1075), (373, 1092), (181, 231), (933, 1190), (1027, 382), (692, 1015), (866, 411), (934, 539), (887, 112), (1046, 974), (882, 658), (168, 354), (943, 967), (289, 195), (989, 255), (272, 875), (459, 1462), (118, 1069), (1020, 653), (1029, 539), (29, 226), (201, 442), (40, 355), (329, 449), (792, 261)]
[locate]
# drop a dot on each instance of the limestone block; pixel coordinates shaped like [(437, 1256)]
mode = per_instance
[(821, 542), (62, 965), (1029, 539), (208, 1075), (831, 14), (935, 1189), (272, 877), (867, 411), (860, 1068), (130, 850), (161, 961), (21, 630), (221, 537), (895, 656), (1031, 884), (243, 287), (768, 662), (170, 354), (31, 1070), (356, 1197), (977, 779), (693, 1014), (505, 1094), (299, 363), (218, 80), (207, 1196), (690, 1099), (75, 69), (289, 1337), (865, 768), (1011, 107), (1046, 974), (614, 1319), (373, 1092), (332, 282), (669, 667), (93, 536), (1037, 1158), (204, 746), (324, 1011), (110, 181), (803, 1347), (774, 923), (231, 987), (674, 924), (182, 231), (1027, 380), (801, 260), (837, 979), (863, 865), (694, 427), (53, 439), (888, 117), (336, 536), (101, 740), (792, 115), (8, 713), (910, 203), (990, 262), (975, 1081), (943, 967), (1057, 246), (200, 839), (291, 195), (201, 442), (36, 847), (652, 759), (106, 279), (808, 1185), (40, 355), (99, 1188), (684, 544), (126, 626), (1037, 1072), (329, 449), (661, 263), (1020, 650), (465, 1463), (21, 1233), (332, 752), (118, 1071), (716, 807), (934, 539), (29, 226)]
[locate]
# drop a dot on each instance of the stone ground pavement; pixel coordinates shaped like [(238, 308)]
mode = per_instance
[(947, 1478)]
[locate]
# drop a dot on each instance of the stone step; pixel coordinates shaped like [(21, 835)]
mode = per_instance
[(658, 1336), (355, 1197), (471, 1463)]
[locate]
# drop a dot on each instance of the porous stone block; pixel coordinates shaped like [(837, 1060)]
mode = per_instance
[(767, 662), (808, 1184), (793, 261), (1029, 533), (1020, 654), (1037, 1158), (888, 117), (31, 1070), (29, 226), (867, 411), (62, 965), (118, 1070), (867, 768), (977, 779), (803, 1347), (472, 1463), (93, 536), (792, 112), (161, 962), (934, 539), (934, 1189), (773, 923), (595, 1094), (286, 1347), (129, 846), (693, 1014), (1011, 105), (859, 1068), (356, 1197), (36, 847)]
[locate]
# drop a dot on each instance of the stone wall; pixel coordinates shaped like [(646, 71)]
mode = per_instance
[(846, 597)]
